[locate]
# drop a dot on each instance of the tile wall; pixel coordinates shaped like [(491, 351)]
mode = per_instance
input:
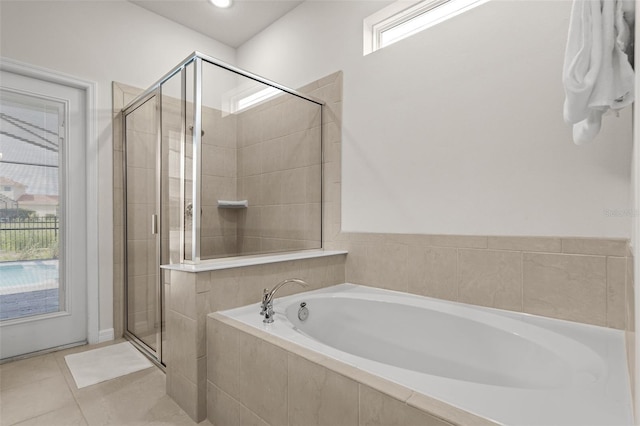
[(279, 173), (254, 378), (191, 296), (219, 227), (583, 280)]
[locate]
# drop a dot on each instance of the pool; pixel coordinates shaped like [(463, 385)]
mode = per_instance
[(25, 276)]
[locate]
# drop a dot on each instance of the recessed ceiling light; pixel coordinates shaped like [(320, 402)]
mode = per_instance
[(221, 3)]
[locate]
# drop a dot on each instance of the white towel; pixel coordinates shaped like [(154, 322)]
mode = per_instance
[(597, 74)]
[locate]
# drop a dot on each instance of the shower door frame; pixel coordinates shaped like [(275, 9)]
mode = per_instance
[(155, 355), (196, 59)]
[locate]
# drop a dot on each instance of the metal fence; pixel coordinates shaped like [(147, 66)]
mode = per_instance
[(17, 235)]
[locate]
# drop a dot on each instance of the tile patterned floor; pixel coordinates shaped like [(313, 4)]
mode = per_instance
[(41, 391)]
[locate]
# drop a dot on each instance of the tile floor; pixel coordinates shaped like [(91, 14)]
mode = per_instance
[(41, 391)]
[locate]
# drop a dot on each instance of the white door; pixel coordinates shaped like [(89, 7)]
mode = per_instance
[(43, 219)]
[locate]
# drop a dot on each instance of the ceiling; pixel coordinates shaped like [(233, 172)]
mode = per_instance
[(232, 26)]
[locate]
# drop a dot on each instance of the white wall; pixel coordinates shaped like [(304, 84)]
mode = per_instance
[(101, 41), (458, 129)]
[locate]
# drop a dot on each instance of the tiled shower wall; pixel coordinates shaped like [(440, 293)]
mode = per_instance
[(279, 172), (219, 227)]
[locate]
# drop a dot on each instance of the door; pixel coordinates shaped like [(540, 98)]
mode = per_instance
[(43, 223), (143, 298)]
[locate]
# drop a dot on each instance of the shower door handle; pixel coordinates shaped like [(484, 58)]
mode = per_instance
[(154, 224)]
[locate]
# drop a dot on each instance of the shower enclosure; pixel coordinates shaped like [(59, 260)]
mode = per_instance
[(218, 163)]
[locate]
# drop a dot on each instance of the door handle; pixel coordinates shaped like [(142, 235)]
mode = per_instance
[(154, 224)]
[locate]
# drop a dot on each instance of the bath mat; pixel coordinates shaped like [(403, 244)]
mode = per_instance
[(102, 364)]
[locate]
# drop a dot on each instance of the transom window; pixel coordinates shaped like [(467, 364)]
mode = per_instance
[(404, 18)]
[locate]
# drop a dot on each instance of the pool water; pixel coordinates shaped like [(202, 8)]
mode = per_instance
[(19, 277), (28, 288)]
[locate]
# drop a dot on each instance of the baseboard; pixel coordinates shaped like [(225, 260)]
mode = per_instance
[(105, 335)]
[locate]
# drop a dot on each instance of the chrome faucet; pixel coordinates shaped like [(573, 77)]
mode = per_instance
[(266, 308)]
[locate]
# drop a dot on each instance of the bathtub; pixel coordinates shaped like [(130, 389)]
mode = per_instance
[(508, 367)]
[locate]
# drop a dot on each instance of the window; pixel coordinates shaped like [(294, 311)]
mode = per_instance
[(403, 18), (246, 96)]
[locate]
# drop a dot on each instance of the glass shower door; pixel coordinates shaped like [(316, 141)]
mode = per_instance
[(143, 291)]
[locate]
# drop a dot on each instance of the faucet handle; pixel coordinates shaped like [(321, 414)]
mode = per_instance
[(263, 305)]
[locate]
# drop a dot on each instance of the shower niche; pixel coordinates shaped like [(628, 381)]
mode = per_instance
[(218, 163)]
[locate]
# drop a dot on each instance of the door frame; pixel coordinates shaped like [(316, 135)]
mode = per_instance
[(156, 356), (91, 157)]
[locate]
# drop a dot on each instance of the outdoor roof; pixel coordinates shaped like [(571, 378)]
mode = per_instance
[(29, 143)]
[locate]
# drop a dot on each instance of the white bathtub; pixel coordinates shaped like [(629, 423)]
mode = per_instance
[(512, 368)]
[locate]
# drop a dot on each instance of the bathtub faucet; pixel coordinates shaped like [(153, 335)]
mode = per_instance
[(266, 308)]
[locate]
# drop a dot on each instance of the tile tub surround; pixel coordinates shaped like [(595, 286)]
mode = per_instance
[(586, 280), (191, 296), (255, 375)]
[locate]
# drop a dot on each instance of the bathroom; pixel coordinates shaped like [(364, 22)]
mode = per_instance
[(439, 163)]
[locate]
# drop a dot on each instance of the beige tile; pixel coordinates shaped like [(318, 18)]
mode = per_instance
[(69, 415), (595, 246), (182, 344), (33, 399), (616, 273), (272, 156), (138, 189), (185, 394), (535, 244), (365, 237), (222, 410), (263, 366), (356, 262), (272, 221), (272, 121), (203, 282), (202, 387), (250, 160), (629, 295), (249, 130), (393, 390), (378, 409), (23, 372), (138, 258), (118, 245), (387, 266), (568, 287), (443, 410), (318, 396), (222, 356), (271, 188), (183, 294), (248, 418), (294, 186), (490, 278), (432, 272), (460, 241), (334, 78)]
